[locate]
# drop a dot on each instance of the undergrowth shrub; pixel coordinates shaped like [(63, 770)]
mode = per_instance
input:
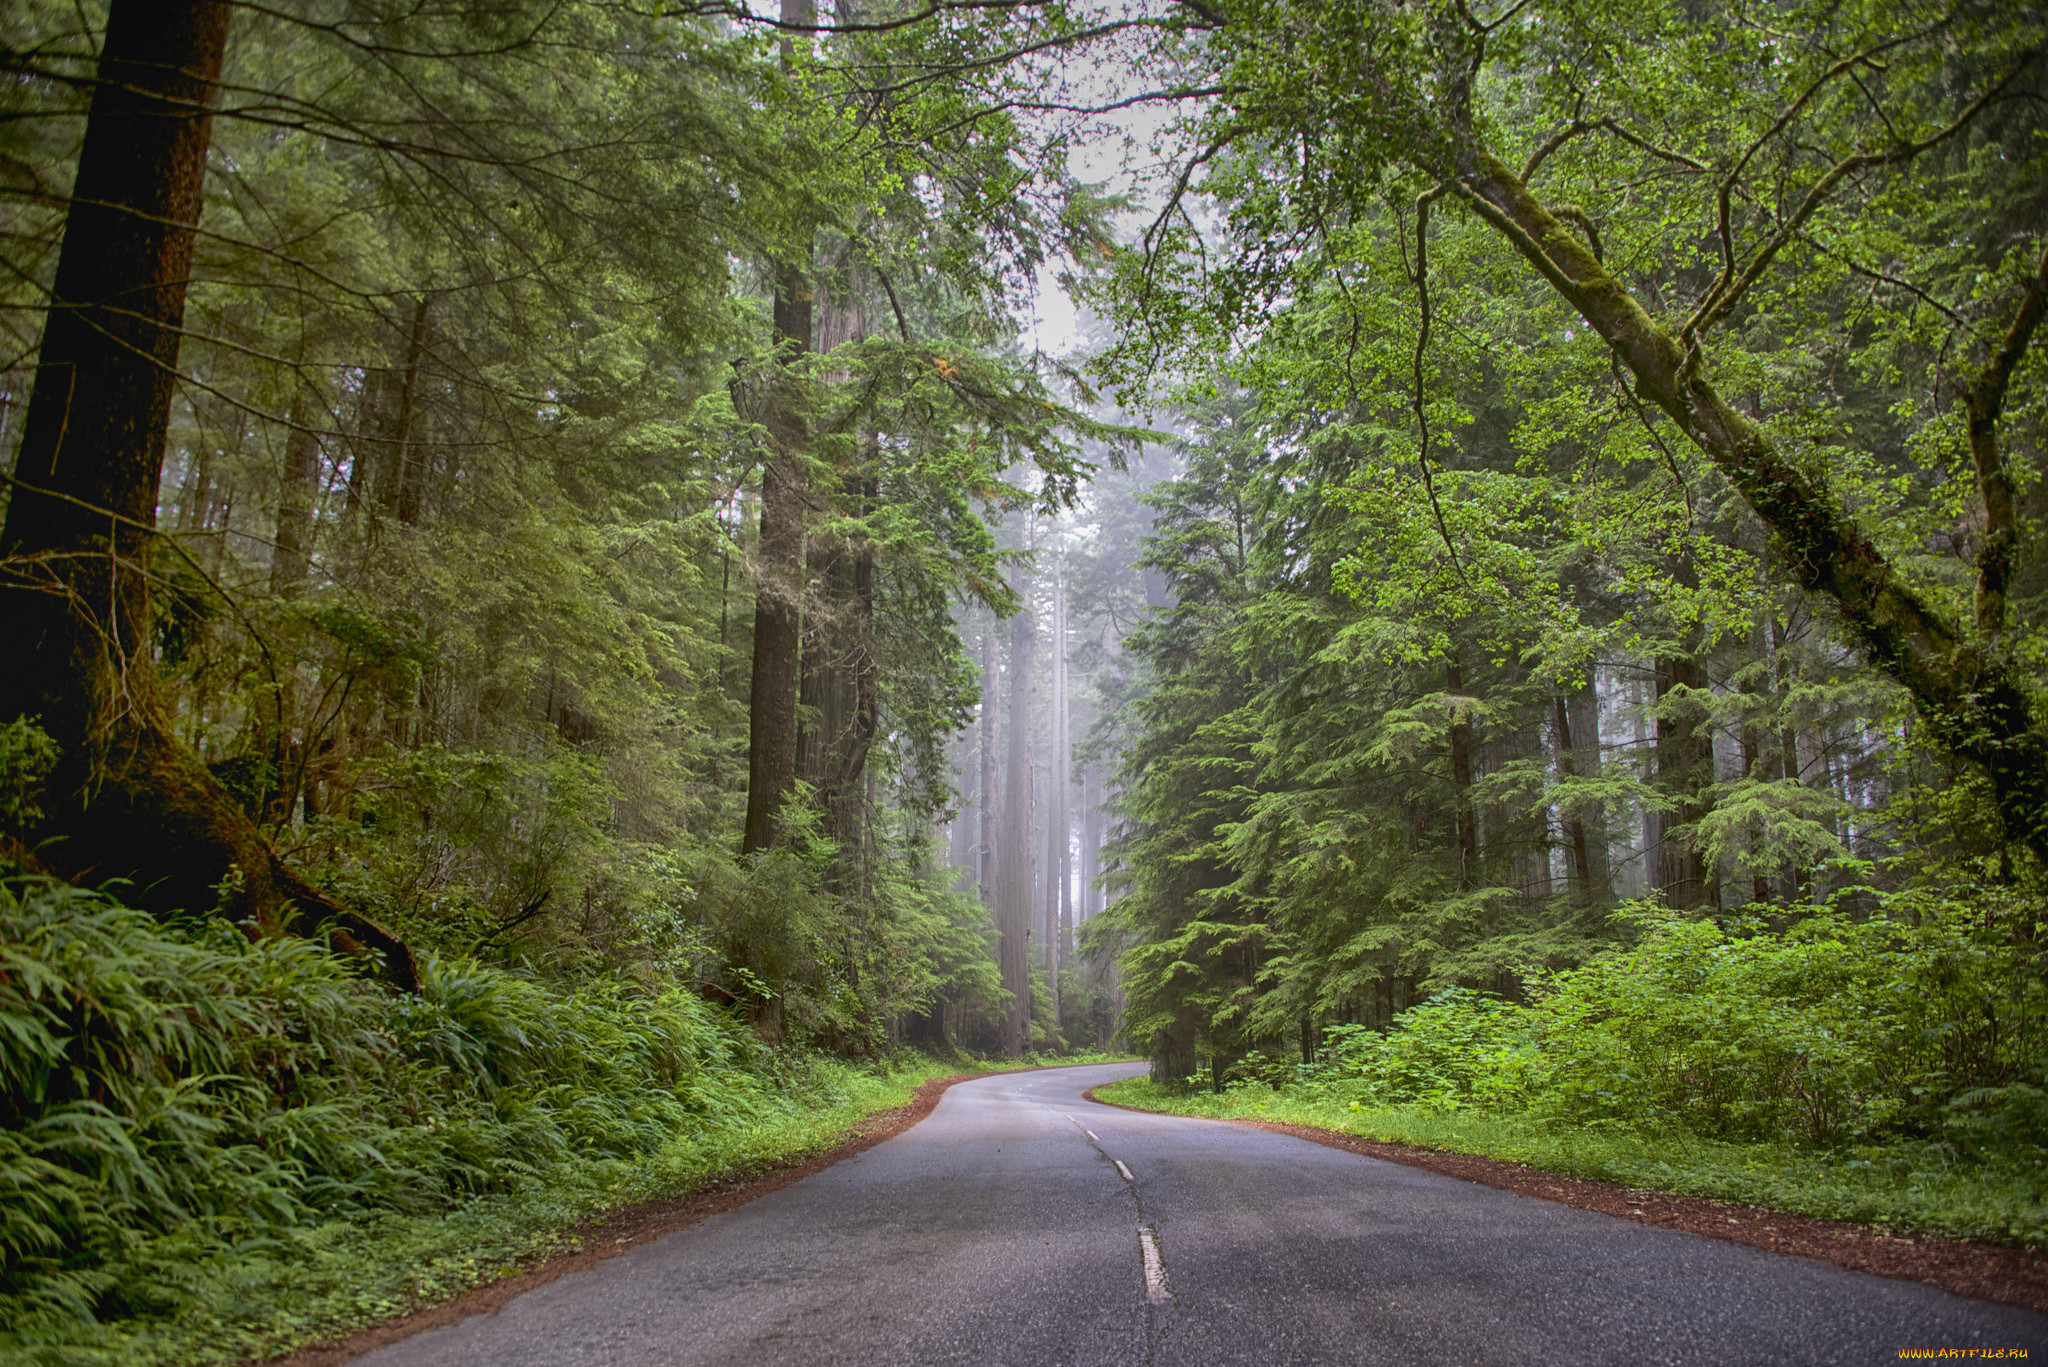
[(1457, 1048), (186, 1084), (1926, 1021)]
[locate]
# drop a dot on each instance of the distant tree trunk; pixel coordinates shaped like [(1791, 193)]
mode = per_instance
[(1753, 751), (1013, 865), (1058, 914), (1461, 779), (291, 555), (1091, 843), (1582, 710), (1685, 771), (991, 704), (1572, 811), (1062, 779), (126, 800), (926, 1030), (1799, 884), (291, 558), (397, 480)]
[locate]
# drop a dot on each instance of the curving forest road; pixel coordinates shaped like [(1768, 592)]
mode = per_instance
[(1020, 1224)]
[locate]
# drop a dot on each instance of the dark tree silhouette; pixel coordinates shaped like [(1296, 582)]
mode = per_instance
[(80, 540)]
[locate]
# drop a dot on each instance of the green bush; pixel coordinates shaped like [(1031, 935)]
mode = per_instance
[(190, 1086), (1458, 1048), (1927, 1020)]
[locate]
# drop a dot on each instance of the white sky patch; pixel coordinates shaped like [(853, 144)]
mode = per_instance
[(1132, 151)]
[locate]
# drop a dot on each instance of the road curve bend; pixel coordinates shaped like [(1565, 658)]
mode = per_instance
[(1020, 1224)]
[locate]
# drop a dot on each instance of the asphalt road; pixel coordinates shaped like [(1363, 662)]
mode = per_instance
[(999, 1232)]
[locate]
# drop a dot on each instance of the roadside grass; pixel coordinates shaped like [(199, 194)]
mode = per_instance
[(327, 1280), (1922, 1188)]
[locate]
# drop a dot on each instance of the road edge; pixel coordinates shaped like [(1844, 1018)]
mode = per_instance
[(627, 1227), (1962, 1267)]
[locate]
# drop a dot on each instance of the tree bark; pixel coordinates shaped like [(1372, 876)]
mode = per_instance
[(291, 553), (396, 477), (1685, 771), (778, 598), (126, 801), (1091, 844), (991, 705), (1572, 812), (1013, 864), (838, 689), (1058, 912), (778, 594), (1461, 779)]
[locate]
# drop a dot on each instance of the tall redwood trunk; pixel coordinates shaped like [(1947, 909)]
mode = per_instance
[(1013, 861), (839, 687), (1059, 903), (991, 705), (126, 801), (778, 596), (1091, 844)]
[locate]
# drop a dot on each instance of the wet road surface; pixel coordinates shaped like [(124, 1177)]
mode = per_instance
[(1019, 1224)]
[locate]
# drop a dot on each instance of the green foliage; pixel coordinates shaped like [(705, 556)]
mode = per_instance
[(1927, 1020), (1907, 1045), (26, 755), (177, 1096), (1459, 1048), (1900, 1186)]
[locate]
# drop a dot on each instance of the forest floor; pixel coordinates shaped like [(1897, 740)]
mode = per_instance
[(1580, 1170)]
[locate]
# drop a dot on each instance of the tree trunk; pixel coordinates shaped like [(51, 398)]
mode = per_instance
[(778, 592), (1091, 844), (1058, 914), (1013, 864), (1572, 811), (1685, 771), (291, 555), (1582, 709), (838, 658), (396, 479), (1063, 762), (991, 704), (126, 801), (778, 600), (1461, 779)]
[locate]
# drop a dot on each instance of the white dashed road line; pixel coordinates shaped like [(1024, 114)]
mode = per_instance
[(1155, 1271), (1124, 1170), (1091, 1135)]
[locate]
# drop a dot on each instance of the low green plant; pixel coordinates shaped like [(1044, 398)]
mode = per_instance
[(215, 1148), (1927, 1020), (1883, 1066), (1906, 1185)]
